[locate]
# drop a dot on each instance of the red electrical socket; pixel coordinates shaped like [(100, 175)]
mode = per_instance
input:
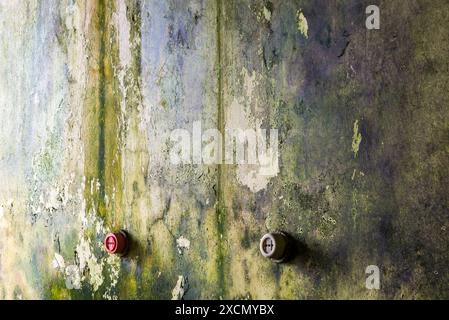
[(116, 243)]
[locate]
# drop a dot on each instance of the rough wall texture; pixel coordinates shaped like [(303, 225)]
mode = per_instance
[(91, 90)]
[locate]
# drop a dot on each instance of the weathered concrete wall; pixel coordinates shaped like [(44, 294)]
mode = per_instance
[(90, 92)]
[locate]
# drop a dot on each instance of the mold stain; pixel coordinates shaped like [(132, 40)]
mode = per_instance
[(302, 24), (102, 107), (356, 139)]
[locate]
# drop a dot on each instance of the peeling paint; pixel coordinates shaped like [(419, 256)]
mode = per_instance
[(303, 26), (72, 277), (180, 289), (266, 13), (58, 262), (183, 244)]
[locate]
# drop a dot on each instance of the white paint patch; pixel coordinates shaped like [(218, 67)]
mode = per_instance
[(183, 244), (180, 289), (58, 262)]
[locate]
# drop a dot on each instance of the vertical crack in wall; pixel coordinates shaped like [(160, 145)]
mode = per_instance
[(220, 210)]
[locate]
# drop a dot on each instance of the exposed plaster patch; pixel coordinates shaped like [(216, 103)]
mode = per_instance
[(58, 262), (90, 265), (254, 181), (53, 200), (183, 244), (255, 176), (72, 277), (88, 261), (180, 289), (303, 26)]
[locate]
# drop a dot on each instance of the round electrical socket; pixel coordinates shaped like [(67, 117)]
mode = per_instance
[(274, 246)]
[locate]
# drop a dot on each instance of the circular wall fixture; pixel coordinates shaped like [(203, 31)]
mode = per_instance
[(274, 246), (116, 243)]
